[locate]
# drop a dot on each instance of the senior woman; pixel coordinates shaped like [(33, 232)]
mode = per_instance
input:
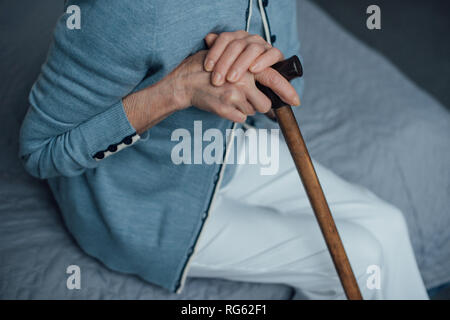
[(100, 129)]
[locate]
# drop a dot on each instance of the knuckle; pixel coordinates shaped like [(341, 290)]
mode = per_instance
[(238, 44), (255, 47), (274, 78), (222, 111), (229, 96), (226, 36), (277, 52), (210, 36), (256, 38), (241, 32)]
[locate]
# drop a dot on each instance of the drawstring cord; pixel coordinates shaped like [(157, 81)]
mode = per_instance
[(249, 15), (265, 22)]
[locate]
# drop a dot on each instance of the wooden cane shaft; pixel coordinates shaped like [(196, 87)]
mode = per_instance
[(305, 168)]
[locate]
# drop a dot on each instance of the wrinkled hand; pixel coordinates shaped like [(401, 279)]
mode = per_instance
[(233, 54), (191, 85)]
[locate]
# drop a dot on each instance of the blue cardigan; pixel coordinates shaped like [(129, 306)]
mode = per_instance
[(135, 210)]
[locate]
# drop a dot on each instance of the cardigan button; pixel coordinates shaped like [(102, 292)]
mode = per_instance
[(273, 38), (99, 155), (265, 3), (112, 148), (128, 140)]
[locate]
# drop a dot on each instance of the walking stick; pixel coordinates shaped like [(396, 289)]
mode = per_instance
[(290, 69)]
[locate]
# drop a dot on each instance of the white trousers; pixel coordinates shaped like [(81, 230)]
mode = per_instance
[(262, 229)]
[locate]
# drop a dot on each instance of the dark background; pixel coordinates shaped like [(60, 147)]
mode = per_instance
[(411, 37)]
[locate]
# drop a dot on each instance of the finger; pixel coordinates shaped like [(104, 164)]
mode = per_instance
[(246, 107), (227, 111), (231, 113), (258, 100), (229, 56), (210, 39), (245, 59), (222, 41), (239, 100), (275, 81), (269, 58)]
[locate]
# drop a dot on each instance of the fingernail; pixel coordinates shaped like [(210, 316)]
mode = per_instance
[(254, 67), (217, 78), (209, 65), (296, 101), (232, 76)]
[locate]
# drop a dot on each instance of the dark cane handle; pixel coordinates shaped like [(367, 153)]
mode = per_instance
[(290, 69)]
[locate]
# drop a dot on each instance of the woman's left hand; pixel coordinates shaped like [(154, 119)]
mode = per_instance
[(231, 54)]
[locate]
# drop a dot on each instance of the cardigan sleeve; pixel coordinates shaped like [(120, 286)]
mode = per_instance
[(76, 116)]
